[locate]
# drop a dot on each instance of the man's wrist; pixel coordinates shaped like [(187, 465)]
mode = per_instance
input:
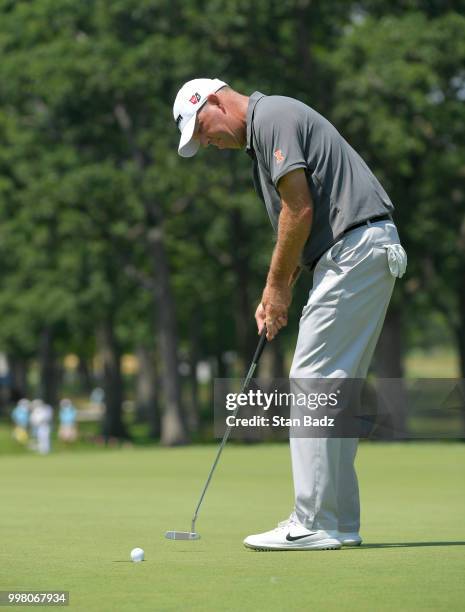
[(277, 280)]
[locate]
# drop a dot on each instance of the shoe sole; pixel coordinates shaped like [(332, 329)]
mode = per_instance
[(318, 546)]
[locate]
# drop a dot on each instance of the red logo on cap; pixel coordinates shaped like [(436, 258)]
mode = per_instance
[(195, 98)]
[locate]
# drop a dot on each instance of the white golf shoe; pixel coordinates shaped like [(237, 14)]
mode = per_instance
[(290, 535), (349, 539)]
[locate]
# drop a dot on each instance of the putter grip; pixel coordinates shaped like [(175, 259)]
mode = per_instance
[(260, 347)]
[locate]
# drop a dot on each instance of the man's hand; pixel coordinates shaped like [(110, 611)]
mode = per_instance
[(260, 314), (273, 309), (260, 317)]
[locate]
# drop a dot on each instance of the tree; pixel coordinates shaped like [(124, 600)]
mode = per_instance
[(400, 91)]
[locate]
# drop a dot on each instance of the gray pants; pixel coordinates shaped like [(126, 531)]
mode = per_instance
[(339, 329)]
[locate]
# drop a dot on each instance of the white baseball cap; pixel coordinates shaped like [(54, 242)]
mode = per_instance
[(189, 100)]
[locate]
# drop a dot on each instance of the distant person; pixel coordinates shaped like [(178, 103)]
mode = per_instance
[(20, 416), (67, 430), (332, 216), (41, 422)]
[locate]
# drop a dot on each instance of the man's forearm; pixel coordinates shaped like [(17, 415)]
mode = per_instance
[(295, 224), (293, 230)]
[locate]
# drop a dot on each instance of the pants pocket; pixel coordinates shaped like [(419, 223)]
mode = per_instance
[(347, 254), (333, 252), (397, 259)]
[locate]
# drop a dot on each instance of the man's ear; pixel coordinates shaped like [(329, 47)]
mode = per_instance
[(214, 99)]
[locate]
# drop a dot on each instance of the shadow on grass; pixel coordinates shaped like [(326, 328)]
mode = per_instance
[(410, 544)]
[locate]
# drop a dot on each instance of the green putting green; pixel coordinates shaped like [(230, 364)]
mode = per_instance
[(69, 522)]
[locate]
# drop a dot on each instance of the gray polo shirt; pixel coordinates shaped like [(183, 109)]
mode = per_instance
[(284, 134)]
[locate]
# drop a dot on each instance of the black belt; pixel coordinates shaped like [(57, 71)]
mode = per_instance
[(386, 217)]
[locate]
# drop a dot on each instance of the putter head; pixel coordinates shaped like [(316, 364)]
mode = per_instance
[(182, 535)]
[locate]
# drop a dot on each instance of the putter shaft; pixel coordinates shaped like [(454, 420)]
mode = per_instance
[(248, 378)]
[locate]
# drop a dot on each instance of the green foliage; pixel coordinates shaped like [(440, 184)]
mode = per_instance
[(88, 162), (400, 92)]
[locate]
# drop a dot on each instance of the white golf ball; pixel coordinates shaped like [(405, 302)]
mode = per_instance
[(137, 555)]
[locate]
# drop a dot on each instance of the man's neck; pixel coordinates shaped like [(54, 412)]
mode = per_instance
[(242, 107)]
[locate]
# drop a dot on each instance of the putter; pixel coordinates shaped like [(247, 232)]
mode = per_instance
[(192, 534)]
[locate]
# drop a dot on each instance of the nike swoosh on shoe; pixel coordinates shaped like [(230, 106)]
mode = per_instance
[(290, 538)]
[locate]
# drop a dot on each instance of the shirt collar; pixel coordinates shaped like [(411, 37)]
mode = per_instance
[(253, 99)]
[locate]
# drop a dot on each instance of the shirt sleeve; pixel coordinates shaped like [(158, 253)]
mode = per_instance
[(281, 143)]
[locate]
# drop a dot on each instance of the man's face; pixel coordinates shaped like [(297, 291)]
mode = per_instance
[(218, 127)]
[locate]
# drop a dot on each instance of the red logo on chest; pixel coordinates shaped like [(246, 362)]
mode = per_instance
[(279, 156)]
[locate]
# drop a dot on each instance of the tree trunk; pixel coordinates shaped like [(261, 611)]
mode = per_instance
[(272, 361), (304, 41), (173, 426), (244, 310), (388, 365), (147, 410), (193, 416), (388, 355), (113, 426), (48, 384), (460, 335), (277, 358), (86, 383), (18, 377)]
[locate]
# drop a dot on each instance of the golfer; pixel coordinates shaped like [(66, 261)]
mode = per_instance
[(332, 216)]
